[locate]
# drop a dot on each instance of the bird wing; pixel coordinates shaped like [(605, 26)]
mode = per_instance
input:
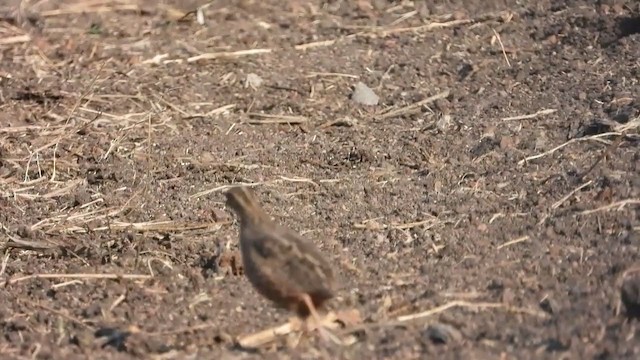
[(294, 260)]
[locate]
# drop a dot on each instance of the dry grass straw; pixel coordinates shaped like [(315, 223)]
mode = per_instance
[(331, 321), (373, 224), (370, 32), (446, 21), (413, 107), (148, 226), (47, 139), (17, 243), (403, 320), (92, 6), (228, 54), (618, 206), (559, 203), (61, 313), (76, 276), (45, 158), (280, 179), (620, 130), (513, 242), (11, 35), (75, 222), (504, 53), (259, 119), (530, 116), (10, 40)]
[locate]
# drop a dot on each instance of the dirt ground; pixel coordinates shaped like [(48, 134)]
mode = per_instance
[(486, 208)]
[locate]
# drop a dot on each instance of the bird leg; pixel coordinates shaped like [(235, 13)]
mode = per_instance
[(325, 333)]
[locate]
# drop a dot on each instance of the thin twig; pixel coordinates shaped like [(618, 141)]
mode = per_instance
[(223, 188), (412, 107), (611, 148), (15, 39), (513, 242), (467, 304), (618, 204), (426, 27), (530, 116), (5, 261), (549, 152), (274, 119), (76, 276), (61, 314), (331, 320), (402, 320), (228, 54), (569, 195), (73, 110), (504, 53)]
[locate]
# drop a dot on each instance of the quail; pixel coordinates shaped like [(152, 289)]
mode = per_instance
[(281, 265)]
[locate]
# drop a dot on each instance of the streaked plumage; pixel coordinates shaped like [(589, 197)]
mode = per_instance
[(280, 264)]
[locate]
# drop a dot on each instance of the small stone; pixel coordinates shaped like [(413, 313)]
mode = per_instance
[(219, 215), (444, 122), (363, 94), (541, 141), (253, 81)]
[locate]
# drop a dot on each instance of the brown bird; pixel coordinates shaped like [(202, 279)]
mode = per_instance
[(281, 265)]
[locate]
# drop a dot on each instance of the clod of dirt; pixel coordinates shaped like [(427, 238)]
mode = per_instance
[(444, 122), (219, 215), (82, 339), (92, 310), (486, 144), (18, 324), (131, 340), (113, 337), (24, 232), (630, 295), (552, 345), (549, 306), (363, 94), (81, 197), (440, 333), (253, 81), (629, 26)]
